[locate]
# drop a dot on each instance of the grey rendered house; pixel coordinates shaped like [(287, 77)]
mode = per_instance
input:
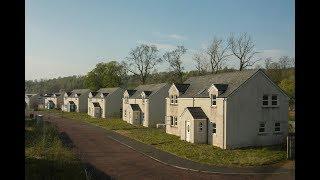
[(145, 105), (76, 100), (31, 101), (228, 110), (106, 102)]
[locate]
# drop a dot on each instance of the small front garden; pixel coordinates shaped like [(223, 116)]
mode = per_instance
[(203, 153)]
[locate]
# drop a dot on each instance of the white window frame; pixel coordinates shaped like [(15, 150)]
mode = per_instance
[(126, 100), (175, 99), (260, 127), (171, 121), (200, 126), (268, 97), (125, 113), (175, 121), (171, 99), (275, 127), (213, 99), (214, 127), (277, 100)]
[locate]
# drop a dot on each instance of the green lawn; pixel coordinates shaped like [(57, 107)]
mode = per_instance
[(46, 157), (197, 152)]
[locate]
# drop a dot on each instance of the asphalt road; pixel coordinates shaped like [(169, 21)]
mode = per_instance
[(116, 161)]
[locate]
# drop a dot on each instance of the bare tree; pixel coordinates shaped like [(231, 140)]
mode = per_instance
[(200, 61), (142, 60), (242, 48), (217, 52), (175, 62), (267, 62), (286, 62)]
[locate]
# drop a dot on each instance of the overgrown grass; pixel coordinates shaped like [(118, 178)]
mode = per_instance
[(45, 155), (255, 156)]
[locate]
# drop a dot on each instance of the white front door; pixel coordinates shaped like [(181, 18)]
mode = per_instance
[(188, 128)]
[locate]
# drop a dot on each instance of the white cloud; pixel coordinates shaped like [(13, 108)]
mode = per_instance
[(166, 47), (273, 53), (170, 36), (177, 36)]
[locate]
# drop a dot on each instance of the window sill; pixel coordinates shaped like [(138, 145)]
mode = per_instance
[(174, 126), (214, 106), (173, 104), (270, 106), (263, 133), (278, 133)]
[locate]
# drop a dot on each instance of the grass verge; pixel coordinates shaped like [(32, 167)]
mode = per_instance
[(46, 157), (204, 153)]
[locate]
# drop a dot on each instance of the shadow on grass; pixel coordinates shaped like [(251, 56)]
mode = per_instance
[(92, 172)]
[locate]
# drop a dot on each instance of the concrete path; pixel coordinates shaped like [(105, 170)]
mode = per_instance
[(119, 157)]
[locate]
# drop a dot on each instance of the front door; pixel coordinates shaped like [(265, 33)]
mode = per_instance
[(188, 131), (142, 118), (97, 112)]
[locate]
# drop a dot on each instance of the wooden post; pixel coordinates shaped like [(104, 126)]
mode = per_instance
[(290, 146)]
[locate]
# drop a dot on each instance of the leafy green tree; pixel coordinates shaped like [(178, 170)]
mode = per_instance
[(109, 74)]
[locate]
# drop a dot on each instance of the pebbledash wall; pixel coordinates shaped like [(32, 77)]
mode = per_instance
[(237, 117)]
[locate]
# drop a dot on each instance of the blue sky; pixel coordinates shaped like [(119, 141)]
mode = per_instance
[(68, 37)]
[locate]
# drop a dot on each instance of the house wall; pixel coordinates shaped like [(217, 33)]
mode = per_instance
[(171, 110), (114, 103), (102, 103), (144, 109), (76, 102), (245, 111), (53, 99), (157, 107)]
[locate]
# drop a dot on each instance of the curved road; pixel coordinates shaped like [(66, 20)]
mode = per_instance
[(117, 161)]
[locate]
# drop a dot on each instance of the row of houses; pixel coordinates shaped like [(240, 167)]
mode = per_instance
[(227, 110)]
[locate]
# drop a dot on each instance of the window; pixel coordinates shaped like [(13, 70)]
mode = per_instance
[(176, 99), (213, 100), (171, 120), (200, 126), (125, 113), (274, 100), (214, 128), (277, 127), (265, 99), (171, 99), (262, 127), (175, 120)]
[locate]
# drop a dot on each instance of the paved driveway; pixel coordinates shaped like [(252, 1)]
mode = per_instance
[(117, 161)]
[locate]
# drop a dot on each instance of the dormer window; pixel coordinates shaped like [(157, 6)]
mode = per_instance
[(213, 99)]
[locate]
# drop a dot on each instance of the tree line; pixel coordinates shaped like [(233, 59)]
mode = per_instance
[(140, 67)]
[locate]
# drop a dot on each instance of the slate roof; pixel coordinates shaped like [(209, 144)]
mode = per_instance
[(150, 88), (135, 107), (96, 104), (57, 94), (228, 82), (94, 93), (197, 112), (131, 92), (105, 91), (79, 92), (69, 93), (182, 87)]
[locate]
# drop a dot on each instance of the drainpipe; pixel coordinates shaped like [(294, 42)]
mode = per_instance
[(223, 123)]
